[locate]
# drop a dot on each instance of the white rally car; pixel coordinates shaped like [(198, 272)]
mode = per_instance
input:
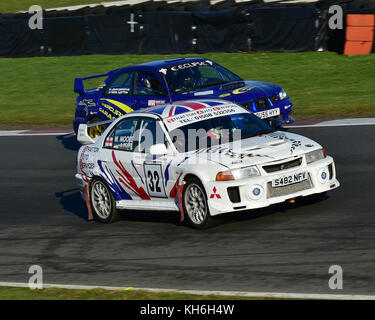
[(200, 158)]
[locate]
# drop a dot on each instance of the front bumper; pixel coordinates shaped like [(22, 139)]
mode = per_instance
[(81, 184), (237, 195)]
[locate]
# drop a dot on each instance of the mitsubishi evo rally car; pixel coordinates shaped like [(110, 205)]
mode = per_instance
[(159, 82), (200, 158)]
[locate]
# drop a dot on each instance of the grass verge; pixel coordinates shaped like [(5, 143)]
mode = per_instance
[(322, 85), (13, 293), (7, 6)]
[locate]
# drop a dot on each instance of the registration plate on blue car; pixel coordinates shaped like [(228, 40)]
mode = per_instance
[(289, 179), (268, 113)]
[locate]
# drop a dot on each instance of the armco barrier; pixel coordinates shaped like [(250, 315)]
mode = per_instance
[(230, 30)]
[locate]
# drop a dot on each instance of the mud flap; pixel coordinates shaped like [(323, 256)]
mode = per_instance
[(88, 202), (176, 192), (180, 188)]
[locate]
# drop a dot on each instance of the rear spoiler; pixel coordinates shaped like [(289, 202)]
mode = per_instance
[(78, 82), (83, 135)]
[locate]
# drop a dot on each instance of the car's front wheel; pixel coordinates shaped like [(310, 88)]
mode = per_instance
[(195, 205), (102, 202)]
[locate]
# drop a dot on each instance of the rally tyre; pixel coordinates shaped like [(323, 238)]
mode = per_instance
[(103, 203), (95, 131), (196, 211)]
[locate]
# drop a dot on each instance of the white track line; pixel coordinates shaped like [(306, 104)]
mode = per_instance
[(331, 123), (276, 295), (338, 123), (24, 133)]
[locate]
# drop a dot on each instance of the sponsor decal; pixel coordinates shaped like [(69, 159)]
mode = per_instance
[(122, 106), (282, 136), (166, 172), (202, 114), (127, 180), (154, 180), (181, 162), (204, 93), (214, 194), (87, 103), (135, 169), (101, 86), (109, 142), (224, 95), (85, 165), (230, 153), (153, 103), (110, 111), (189, 65), (124, 142), (174, 190), (123, 91), (118, 191), (242, 90)]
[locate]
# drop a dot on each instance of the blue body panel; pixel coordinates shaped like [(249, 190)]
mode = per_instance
[(97, 105)]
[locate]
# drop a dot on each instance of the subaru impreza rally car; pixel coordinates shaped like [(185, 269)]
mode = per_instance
[(160, 82), (200, 158)]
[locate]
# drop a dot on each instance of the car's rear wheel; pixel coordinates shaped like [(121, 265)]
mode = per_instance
[(102, 202), (97, 130), (195, 205)]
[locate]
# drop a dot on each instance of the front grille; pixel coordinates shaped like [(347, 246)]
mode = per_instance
[(262, 103), (283, 166), (286, 190)]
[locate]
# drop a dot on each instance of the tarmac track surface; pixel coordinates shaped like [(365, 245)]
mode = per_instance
[(283, 248)]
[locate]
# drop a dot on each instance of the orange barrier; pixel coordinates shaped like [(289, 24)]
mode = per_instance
[(359, 34)]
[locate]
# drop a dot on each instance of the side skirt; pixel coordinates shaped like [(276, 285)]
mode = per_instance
[(149, 205)]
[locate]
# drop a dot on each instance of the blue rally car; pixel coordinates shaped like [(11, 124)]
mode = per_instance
[(164, 81)]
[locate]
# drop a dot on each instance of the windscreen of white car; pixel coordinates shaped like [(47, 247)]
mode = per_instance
[(219, 130)]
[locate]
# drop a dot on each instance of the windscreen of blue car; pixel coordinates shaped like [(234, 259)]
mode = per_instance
[(197, 75), (216, 131)]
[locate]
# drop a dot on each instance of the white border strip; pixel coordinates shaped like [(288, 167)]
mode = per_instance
[(275, 295), (331, 123), (337, 123), (24, 133)]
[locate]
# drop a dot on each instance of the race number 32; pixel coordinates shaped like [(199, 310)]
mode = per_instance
[(155, 180)]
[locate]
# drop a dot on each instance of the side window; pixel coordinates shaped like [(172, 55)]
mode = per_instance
[(148, 84), (123, 136), (121, 84), (149, 133)]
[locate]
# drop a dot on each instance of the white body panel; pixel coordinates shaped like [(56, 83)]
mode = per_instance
[(149, 182)]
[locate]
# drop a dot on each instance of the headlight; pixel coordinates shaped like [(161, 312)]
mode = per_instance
[(315, 155), (245, 173), (282, 94), (238, 174)]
